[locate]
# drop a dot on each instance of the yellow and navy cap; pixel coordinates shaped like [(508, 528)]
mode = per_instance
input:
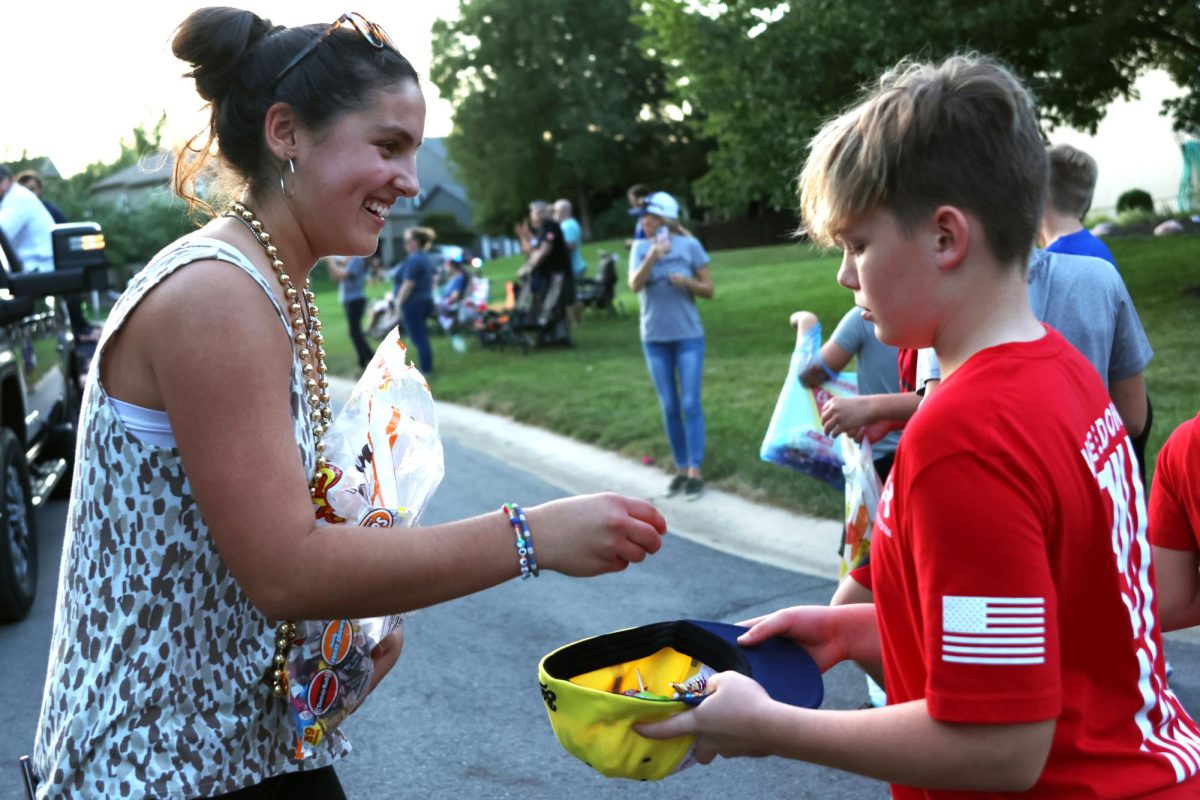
[(596, 689)]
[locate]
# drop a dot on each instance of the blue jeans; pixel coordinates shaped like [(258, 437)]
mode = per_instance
[(416, 322), (676, 368)]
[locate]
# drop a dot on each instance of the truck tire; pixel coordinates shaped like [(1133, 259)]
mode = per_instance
[(18, 531)]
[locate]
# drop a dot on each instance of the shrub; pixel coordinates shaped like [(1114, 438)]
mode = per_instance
[(1138, 218), (1135, 200)]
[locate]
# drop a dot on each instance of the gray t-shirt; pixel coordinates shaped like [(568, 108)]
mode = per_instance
[(877, 372), (1085, 300), (354, 286), (669, 312)]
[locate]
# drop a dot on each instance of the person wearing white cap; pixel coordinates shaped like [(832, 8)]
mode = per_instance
[(669, 270)]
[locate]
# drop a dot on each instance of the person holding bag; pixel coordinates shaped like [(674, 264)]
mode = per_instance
[(192, 548)]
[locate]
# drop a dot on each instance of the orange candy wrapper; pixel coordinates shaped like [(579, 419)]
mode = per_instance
[(385, 463)]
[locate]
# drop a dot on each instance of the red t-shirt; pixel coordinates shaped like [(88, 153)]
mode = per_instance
[(1012, 575), (1175, 495), (906, 369)]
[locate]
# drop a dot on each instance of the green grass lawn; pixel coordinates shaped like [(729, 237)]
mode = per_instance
[(600, 392)]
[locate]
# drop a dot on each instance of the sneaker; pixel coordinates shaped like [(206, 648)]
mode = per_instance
[(676, 485), (693, 488)]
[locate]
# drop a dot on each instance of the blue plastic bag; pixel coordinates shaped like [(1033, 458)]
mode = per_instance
[(795, 438)]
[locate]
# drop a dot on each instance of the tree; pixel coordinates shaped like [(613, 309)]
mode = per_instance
[(766, 76), (556, 99)]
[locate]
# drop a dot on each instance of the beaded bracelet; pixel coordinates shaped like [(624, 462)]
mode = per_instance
[(516, 518)]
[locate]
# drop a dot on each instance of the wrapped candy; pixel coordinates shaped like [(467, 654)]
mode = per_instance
[(384, 464), (863, 489)]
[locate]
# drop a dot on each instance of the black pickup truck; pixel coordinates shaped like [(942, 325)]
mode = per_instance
[(42, 367)]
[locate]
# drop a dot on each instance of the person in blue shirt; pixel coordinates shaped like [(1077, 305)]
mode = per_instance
[(573, 239), (414, 292), (1072, 183), (670, 271)]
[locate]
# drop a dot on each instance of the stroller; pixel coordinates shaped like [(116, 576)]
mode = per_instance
[(383, 316), (599, 293), (528, 320)]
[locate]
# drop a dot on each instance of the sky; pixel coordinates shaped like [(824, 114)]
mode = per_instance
[(72, 89)]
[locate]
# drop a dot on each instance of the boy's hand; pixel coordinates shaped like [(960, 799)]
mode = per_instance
[(727, 723), (846, 415), (812, 627), (801, 321)]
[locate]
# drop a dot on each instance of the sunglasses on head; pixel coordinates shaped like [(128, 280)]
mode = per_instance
[(373, 33)]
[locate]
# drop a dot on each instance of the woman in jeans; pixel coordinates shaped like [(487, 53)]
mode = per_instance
[(414, 292), (670, 269)]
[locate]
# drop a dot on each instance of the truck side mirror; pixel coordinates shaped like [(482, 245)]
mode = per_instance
[(79, 264)]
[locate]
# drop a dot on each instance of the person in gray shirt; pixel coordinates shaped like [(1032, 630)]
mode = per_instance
[(351, 278), (878, 377), (1084, 299)]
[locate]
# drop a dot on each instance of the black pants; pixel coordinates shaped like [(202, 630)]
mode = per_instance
[(1139, 444), (354, 316), (317, 784)]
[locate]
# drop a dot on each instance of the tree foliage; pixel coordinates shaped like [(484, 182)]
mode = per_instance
[(556, 99), (132, 235), (765, 75)]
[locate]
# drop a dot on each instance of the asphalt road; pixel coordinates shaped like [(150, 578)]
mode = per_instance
[(461, 716)]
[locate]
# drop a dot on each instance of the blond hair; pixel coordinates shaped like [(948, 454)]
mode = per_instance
[(1073, 176), (960, 133)]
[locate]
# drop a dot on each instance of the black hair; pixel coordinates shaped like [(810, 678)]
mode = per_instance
[(235, 57)]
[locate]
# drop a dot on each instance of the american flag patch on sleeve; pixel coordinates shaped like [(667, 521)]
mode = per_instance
[(993, 630)]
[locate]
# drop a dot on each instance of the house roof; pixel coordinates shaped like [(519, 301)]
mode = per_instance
[(152, 169), (436, 170)]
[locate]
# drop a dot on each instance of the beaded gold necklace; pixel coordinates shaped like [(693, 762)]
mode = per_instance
[(316, 385)]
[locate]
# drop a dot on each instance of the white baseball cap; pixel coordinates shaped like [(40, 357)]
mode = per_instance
[(663, 205)]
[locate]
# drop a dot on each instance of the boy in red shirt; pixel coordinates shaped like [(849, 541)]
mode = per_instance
[(1175, 527), (1014, 617)]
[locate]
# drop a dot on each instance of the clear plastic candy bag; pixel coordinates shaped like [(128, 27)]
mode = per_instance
[(863, 489), (385, 463), (795, 437)]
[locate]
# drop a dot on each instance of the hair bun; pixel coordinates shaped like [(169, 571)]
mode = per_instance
[(213, 40)]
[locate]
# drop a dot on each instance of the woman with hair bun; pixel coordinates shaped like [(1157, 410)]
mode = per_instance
[(191, 533)]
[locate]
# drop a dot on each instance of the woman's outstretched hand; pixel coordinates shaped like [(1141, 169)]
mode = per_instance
[(594, 534)]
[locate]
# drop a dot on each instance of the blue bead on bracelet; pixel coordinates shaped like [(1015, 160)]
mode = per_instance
[(520, 526)]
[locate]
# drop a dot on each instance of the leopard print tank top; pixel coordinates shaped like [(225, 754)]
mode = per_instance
[(153, 685)]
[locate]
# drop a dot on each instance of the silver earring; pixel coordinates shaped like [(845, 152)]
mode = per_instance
[(282, 185)]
